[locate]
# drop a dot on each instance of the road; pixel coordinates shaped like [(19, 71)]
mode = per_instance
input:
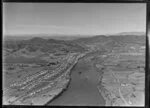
[(119, 90)]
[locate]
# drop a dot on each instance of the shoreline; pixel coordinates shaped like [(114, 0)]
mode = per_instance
[(47, 98), (51, 95), (66, 88), (100, 86), (67, 85), (104, 95), (60, 93)]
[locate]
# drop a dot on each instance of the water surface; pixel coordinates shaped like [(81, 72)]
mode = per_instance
[(82, 89)]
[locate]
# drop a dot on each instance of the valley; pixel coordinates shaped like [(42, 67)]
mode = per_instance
[(92, 71)]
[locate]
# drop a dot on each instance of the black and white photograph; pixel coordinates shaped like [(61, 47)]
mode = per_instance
[(74, 54)]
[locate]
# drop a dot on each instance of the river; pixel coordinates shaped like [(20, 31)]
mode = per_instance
[(82, 89)]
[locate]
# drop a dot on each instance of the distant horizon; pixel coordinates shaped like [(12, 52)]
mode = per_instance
[(142, 32), (66, 37)]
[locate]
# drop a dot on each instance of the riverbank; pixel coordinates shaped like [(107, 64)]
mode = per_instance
[(83, 84), (123, 82), (99, 68), (68, 73), (50, 89)]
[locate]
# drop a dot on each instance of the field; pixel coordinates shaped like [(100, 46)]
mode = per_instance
[(125, 84)]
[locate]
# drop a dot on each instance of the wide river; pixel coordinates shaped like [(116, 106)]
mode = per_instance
[(82, 89)]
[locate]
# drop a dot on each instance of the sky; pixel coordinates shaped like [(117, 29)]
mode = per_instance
[(148, 23), (73, 18)]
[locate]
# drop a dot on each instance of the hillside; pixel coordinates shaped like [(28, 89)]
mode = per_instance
[(43, 45), (118, 38)]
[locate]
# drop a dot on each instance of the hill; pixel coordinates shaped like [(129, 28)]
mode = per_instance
[(43, 45), (38, 45)]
